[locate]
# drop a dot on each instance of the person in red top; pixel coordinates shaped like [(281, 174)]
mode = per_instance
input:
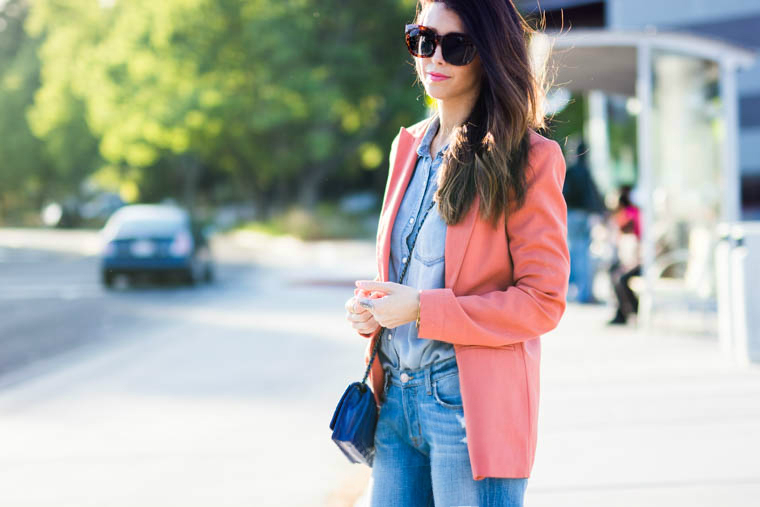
[(628, 222)]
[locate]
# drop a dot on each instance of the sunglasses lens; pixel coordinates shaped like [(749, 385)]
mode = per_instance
[(427, 44), (457, 51), (420, 43)]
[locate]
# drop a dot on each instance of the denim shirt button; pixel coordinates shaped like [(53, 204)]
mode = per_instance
[(404, 260), (411, 220)]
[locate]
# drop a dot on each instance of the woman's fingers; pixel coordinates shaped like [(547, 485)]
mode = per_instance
[(350, 304), (359, 317), (366, 327), (362, 319), (366, 303)]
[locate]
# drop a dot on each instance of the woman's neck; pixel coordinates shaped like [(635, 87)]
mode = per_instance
[(452, 113)]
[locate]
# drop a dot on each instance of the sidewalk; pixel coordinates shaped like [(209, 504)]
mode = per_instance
[(630, 419)]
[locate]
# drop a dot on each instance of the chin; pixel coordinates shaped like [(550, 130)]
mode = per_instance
[(439, 91)]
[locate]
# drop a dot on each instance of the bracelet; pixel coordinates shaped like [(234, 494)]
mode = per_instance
[(419, 311)]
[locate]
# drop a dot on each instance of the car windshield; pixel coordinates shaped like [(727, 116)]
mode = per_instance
[(147, 228)]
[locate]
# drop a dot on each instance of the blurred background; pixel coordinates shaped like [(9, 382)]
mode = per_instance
[(190, 188)]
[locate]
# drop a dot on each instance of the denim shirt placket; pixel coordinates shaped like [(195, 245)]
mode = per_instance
[(425, 163), (412, 222)]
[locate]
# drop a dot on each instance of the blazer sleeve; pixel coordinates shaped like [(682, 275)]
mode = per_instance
[(534, 304)]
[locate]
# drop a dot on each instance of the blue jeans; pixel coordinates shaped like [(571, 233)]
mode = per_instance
[(421, 456), (579, 244)]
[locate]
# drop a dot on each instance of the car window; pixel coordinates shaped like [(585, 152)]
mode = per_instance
[(147, 227)]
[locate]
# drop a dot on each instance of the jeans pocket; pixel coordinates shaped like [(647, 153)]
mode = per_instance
[(386, 385), (446, 392)]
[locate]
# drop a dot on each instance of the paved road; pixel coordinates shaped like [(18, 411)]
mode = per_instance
[(219, 395), (52, 302)]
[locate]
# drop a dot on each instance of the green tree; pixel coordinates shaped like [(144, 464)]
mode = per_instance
[(22, 161), (278, 97)]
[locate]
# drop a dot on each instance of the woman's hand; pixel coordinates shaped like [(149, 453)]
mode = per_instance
[(400, 304), (360, 318)]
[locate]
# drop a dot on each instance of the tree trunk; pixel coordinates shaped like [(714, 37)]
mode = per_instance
[(309, 190), (191, 172)]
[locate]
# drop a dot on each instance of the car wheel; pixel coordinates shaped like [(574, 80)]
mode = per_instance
[(128, 280), (107, 278), (188, 276), (208, 274)]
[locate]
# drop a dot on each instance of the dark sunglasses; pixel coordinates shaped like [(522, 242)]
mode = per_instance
[(456, 48)]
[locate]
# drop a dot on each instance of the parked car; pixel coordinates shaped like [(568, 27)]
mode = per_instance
[(154, 239), (82, 210)]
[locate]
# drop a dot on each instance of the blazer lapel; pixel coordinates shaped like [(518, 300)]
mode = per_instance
[(401, 173), (457, 239), (457, 236)]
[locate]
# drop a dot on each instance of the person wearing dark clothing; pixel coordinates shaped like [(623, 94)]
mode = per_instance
[(579, 190), (583, 200), (628, 303)]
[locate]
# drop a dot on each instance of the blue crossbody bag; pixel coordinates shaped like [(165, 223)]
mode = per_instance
[(355, 418)]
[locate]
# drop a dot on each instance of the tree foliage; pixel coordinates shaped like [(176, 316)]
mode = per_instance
[(249, 98)]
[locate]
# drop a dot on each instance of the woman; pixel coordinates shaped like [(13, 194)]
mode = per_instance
[(456, 374)]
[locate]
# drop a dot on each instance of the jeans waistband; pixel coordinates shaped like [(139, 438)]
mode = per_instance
[(411, 377)]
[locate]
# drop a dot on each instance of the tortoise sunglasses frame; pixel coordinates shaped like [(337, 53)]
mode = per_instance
[(456, 48)]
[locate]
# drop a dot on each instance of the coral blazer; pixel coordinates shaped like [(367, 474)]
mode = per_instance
[(503, 289)]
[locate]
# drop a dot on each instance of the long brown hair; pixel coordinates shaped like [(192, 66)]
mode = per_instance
[(490, 149)]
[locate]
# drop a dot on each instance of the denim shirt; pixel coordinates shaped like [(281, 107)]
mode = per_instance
[(400, 346)]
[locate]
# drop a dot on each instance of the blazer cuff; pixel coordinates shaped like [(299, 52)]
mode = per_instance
[(432, 317)]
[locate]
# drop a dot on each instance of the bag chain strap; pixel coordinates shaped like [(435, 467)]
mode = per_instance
[(403, 272)]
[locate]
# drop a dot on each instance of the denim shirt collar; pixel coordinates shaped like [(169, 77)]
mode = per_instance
[(423, 150)]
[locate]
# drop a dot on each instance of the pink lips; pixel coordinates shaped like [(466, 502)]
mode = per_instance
[(434, 76)]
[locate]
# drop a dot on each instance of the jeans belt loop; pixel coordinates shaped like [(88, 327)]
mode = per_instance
[(427, 380)]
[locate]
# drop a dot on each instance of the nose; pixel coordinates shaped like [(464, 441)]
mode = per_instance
[(438, 55)]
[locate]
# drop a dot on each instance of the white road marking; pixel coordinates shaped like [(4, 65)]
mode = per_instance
[(27, 291)]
